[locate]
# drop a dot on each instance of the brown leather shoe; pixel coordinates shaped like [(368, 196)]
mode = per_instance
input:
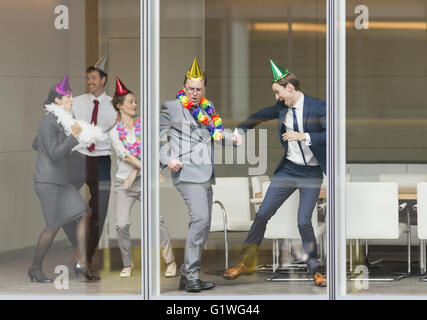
[(237, 271), (319, 280)]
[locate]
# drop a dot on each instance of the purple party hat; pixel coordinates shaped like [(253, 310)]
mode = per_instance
[(63, 88)]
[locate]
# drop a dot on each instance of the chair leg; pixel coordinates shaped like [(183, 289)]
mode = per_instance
[(368, 264), (408, 274), (226, 248), (423, 246), (277, 255), (291, 269), (357, 250), (409, 241), (421, 255), (423, 260)]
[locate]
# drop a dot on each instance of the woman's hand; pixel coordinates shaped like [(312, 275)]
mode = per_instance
[(132, 160), (130, 179), (76, 129)]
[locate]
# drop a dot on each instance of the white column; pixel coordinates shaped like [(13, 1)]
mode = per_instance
[(336, 159)]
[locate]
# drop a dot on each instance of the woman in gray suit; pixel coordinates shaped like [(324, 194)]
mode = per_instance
[(61, 203)]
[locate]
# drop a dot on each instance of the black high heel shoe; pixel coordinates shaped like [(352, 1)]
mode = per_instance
[(78, 269), (38, 276)]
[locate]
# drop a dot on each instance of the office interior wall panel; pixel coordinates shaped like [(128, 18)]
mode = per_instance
[(181, 40), (37, 56), (124, 61), (176, 55), (386, 80)]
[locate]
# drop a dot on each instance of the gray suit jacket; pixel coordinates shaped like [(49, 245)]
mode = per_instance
[(53, 148), (188, 141)]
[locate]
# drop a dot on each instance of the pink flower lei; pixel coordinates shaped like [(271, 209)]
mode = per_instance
[(134, 148)]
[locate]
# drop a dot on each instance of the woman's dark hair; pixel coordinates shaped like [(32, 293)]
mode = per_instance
[(102, 74), (292, 79), (119, 100), (52, 96)]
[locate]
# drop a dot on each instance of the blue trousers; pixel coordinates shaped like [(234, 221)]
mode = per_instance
[(290, 177)]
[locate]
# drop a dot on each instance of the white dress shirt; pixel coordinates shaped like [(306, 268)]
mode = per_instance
[(124, 168), (82, 109), (294, 153)]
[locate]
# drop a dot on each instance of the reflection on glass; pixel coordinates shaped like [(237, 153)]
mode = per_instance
[(205, 181), (62, 187), (385, 145)]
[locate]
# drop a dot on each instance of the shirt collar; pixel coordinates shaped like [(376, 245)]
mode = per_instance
[(100, 98), (300, 102)]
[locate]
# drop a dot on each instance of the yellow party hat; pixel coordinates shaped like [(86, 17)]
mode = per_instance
[(195, 73)]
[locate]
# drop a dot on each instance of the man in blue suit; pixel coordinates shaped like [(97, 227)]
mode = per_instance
[(302, 132)]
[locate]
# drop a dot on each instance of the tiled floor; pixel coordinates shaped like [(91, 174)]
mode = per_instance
[(256, 284), (14, 280)]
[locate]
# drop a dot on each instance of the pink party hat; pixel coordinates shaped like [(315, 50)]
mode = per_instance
[(63, 88)]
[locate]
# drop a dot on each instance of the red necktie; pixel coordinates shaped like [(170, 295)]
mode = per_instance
[(94, 120)]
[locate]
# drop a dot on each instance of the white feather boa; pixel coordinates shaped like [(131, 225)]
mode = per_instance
[(89, 134)]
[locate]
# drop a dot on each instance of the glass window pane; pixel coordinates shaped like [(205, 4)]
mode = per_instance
[(385, 146), (233, 43), (45, 188)]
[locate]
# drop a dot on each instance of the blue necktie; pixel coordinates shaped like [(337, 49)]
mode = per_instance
[(297, 130)]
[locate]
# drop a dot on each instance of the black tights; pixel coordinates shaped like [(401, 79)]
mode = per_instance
[(46, 239)]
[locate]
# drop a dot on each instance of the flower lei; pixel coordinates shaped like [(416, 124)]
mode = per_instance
[(214, 126), (133, 148)]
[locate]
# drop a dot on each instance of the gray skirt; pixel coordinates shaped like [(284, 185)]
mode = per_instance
[(60, 204)]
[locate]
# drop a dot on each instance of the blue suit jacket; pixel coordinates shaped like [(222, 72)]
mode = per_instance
[(314, 123)]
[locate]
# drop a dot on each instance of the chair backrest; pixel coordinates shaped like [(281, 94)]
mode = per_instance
[(257, 182), (233, 193), (284, 224), (372, 210), (405, 181), (422, 210), (325, 180)]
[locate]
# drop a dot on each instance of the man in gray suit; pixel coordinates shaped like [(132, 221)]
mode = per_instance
[(190, 124)]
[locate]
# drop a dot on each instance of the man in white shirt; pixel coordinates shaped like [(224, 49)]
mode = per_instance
[(92, 165), (302, 133)]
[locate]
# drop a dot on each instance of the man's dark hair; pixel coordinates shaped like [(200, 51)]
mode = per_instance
[(292, 79), (102, 74)]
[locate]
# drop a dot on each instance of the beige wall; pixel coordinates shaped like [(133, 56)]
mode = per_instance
[(386, 81), (33, 58), (237, 60), (36, 57), (119, 37), (181, 39)]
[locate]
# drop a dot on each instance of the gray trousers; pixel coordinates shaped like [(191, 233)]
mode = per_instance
[(198, 198), (125, 198), (165, 243)]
